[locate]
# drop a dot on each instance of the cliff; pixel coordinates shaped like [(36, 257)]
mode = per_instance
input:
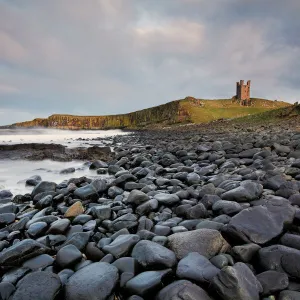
[(188, 110)]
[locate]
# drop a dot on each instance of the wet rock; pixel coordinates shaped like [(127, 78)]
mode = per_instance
[(197, 268), (207, 242), (68, 256), (39, 262), (35, 284), (167, 199), (43, 186), (59, 226), (152, 255), (261, 224), (33, 180), (7, 218), (67, 170), (74, 210), (246, 192), (137, 197), (289, 295), (237, 282), (146, 282), (20, 252), (280, 258), (246, 252), (95, 281), (273, 281), (122, 245), (182, 290), (125, 221)]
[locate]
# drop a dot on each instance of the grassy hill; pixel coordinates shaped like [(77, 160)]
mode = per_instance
[(188, 110)]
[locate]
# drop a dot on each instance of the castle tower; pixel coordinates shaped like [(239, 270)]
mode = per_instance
[(243, 92)]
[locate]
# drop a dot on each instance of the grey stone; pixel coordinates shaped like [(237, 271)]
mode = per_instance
[(197, 268), (95, 281), (152, 255), (38, 285), (237, 282), (207, 242)]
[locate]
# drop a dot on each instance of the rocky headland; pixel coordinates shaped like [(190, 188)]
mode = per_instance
[(193, 213), (185, 111)]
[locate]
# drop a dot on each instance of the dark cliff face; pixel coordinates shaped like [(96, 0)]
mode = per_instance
[(166, 114)]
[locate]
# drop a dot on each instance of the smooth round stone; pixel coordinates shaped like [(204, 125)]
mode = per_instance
[(81, 219), (35, 284), (122, 245), (68, 256), (146, 282), (59, 226), (182, 290), (161, 230), (273, 281), (7, 218), (197, 268), (95, 281), (152, 255), (127, 264), (37, 229), (39, 262), (167, 199)]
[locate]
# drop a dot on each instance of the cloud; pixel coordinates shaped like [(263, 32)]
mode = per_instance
[(105, 57), (8, 89)]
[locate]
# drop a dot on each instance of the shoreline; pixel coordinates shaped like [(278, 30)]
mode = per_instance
[(195, 208)]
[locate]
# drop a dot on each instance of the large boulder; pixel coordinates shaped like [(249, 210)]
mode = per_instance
[(38, 285), (43, 186), (152, 255), (237, 282), (280, 258), (261, 224), (95, 281), (197, 268), (20, 252), (207, 242), (182, 290)]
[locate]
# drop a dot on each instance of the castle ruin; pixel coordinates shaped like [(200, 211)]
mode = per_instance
[(243, 92)]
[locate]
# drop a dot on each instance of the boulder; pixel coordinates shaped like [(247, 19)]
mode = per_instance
[(261, 224), (197, 268), (152, 255), (95, 281), (38, 285), (207, 242), (182, 290), (237, 282)]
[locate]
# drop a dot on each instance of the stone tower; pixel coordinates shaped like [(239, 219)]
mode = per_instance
[(243, 92)]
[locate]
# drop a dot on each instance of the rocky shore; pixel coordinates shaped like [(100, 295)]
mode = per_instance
[(188, 214)]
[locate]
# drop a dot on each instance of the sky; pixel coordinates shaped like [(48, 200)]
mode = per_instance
[(97, 57)]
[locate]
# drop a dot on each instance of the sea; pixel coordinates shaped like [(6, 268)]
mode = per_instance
[(13, 173)]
